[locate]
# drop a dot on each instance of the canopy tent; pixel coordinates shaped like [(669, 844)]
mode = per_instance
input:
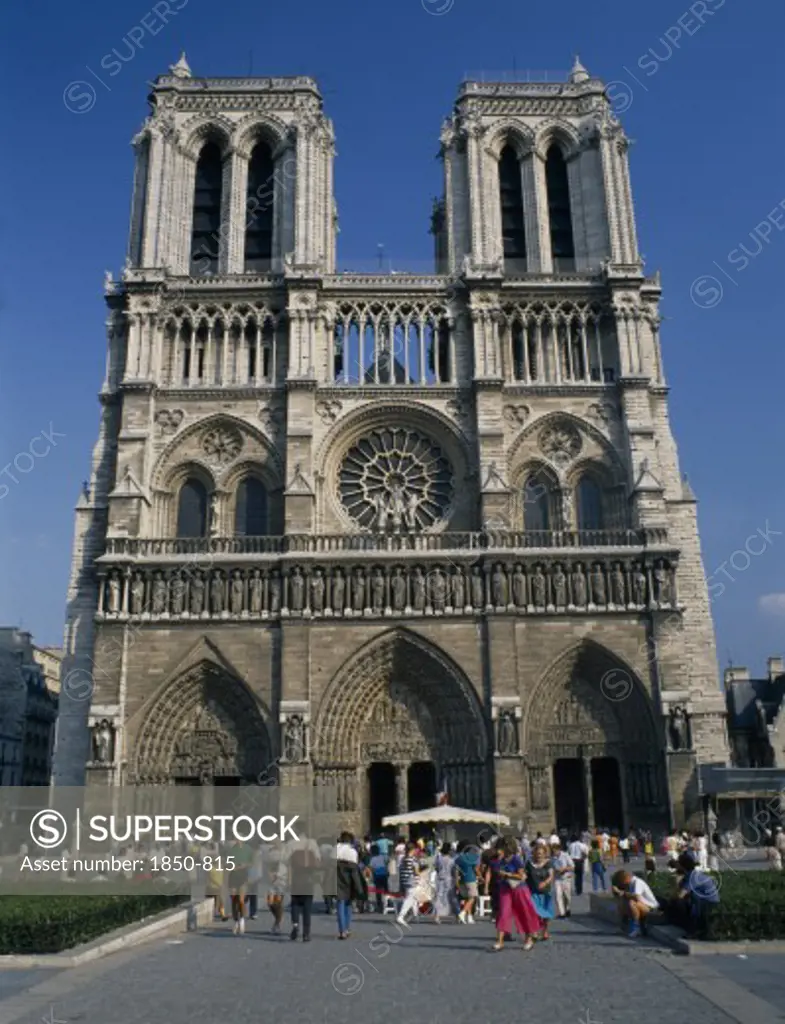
[(444, 814)]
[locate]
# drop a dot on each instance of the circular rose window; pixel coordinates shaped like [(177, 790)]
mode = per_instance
[(395, 480)]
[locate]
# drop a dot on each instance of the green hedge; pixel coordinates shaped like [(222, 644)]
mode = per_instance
[(49, 924), (752, 904)]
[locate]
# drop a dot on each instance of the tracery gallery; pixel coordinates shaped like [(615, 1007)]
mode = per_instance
[(378, 534)]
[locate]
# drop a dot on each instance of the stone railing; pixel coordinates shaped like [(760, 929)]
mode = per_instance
[(509, 541)]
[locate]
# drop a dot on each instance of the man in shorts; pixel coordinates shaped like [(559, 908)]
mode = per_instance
[(466, 864)]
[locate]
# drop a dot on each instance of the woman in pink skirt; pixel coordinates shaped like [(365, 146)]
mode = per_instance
[(515, 902)]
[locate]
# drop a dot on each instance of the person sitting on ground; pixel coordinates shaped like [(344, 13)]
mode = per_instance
[(700, 893), (634, 900)]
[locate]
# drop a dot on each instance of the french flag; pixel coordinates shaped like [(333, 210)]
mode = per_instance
[(443, 795)]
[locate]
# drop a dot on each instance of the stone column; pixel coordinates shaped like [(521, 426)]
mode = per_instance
[(237, 212), (402, 788), (587, 781)]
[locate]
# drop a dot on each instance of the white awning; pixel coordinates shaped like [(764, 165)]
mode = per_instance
[(444, 814)]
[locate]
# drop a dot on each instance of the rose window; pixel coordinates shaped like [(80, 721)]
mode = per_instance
[(395, 480)]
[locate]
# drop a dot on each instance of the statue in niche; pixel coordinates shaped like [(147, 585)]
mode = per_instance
[(214, 524), (217, 594), (255, 590), (418, 590), (137, 594), (296, 590), (458, 589), (519, 587), (559, 587), (380, 504), (438, 589), (507, 733), (377, 590), (478, 588), (410, 515), (662, 584), (196, 603), (618, 586), (177, 594), (540, 794), (678, 728), (275, 593), (538, 588), (358, 590), (639, 587), (578, 587), (339, 591), (499, 587), (598, 585), (397, 507), (294, 739), (237, 592), (103, 742), (115, 590), (159, 594), (317, 591), (398, 591)]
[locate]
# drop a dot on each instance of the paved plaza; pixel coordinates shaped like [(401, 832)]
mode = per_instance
[(586, 974)]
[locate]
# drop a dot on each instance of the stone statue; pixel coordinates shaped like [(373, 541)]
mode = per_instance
[(255, 591), (377, 590), (539, 588), (380, 504), (339, 591), (618, 586), (398, 591), (214, 525), (478, 588), (410, 514), (159, 594), (275, 593), (438, 589), (296, 590), (237, 592), (115, 589), (137, 594), (519, 587), (540, 794), (679, 729), (103, 743), (317, 591), (398, 508), (559, 587), (177, 594), (294, 739), (499, 587), (639, 585), (458, 589), (507, 733), (358, 590), (598, 593), (418, 590), (662, 584), (578, 587), (196, 603), (217, 594)]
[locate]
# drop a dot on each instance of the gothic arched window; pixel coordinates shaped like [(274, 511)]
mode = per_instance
[(206, 230), (536, 503), (192, 509), (260, 206), (250, 510), (511, 194), (589, 511), (559, 212)]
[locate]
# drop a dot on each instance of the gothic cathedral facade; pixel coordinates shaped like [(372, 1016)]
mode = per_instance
[(391, 533)]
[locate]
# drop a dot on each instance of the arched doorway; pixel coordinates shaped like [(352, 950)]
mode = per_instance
[(400, 707), (594, 759), (204, 728)]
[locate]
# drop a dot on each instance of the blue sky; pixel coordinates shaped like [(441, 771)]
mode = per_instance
[(701, 93)]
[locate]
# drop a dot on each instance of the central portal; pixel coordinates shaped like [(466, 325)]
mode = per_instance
[(572, 812)]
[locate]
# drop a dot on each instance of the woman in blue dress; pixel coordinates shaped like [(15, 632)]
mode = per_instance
[(539, 877)]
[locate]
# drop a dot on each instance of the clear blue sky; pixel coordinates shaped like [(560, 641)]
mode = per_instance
[(706, 169)]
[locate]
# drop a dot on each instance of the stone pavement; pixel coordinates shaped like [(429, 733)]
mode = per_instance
[(586, 974)]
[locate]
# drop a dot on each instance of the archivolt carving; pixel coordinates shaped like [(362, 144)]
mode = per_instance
[(254, 127), (205, 723), (198, 129)]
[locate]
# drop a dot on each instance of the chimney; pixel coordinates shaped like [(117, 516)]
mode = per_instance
[(776, 667), (736, 675)]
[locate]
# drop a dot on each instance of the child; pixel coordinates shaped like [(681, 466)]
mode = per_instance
[(420, 892), (650, 860), (597, 867)]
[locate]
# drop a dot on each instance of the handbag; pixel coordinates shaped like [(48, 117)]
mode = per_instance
[(514, 882)]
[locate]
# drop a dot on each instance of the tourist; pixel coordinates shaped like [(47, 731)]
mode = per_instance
[(418, 893), (466, 864), (702, 850), (613, 847), (350, 882), (774, 857), (407, 871), (700, 894), (444, 898), (597, 867), (564, 868), (515, 901), (579, 851), (779, 841), (650, 862), (328, 872), (553, 838), (539, 877), (624, 846), (276, 876), (243, 855), (635, 901), (304, 860), (379, 875)]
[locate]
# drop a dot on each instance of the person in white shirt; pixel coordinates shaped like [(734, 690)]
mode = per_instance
[(624, 846), (578, 851), (554, 840), (635, 901), (563, 867)]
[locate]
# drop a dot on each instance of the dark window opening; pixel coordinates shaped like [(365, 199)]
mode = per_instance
[(192, 510), (559, 212), (511, 193), (250, 514), (206, 230), (260, 208)]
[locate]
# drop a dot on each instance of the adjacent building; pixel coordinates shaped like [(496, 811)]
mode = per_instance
[(28, 713), (390, 533)]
